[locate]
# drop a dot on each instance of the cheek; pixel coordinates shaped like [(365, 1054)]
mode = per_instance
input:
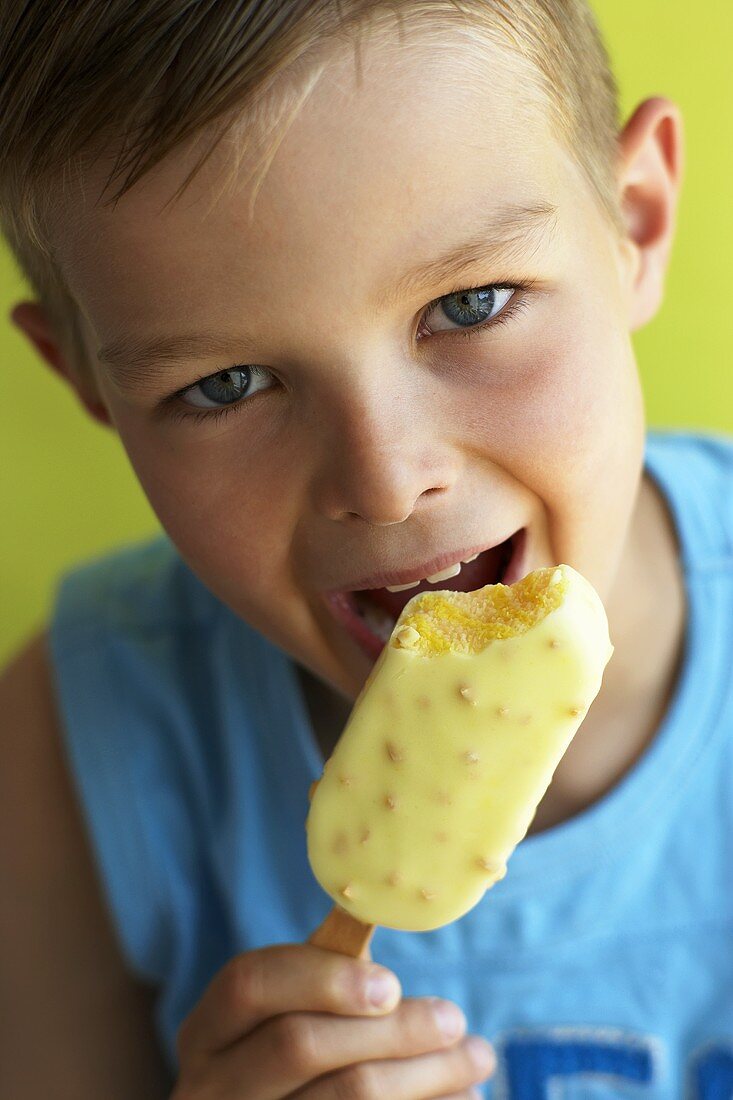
[(230, 502), (224, 505), (561, 409)]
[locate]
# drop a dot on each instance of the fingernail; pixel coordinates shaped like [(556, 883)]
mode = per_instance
[(481, 1052), (450, 1019), (382, 988)]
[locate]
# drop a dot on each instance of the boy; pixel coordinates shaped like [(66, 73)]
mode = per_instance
[(284, 366)]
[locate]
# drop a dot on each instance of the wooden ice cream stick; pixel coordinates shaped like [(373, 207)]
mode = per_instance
[(343, 933)]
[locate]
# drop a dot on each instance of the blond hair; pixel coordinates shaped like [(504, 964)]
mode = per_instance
[(80, 79)]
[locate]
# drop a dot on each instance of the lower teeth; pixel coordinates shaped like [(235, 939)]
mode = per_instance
[(379, 621)]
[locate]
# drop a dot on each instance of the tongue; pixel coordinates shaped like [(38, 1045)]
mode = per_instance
[(486, 569)]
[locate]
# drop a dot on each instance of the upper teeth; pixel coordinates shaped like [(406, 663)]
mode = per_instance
[(443, 575)]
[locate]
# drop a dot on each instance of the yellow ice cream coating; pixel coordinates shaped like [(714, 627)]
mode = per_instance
[(465, 622), (451, 745)]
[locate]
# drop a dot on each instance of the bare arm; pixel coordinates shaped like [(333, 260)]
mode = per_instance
[(75, 1025)]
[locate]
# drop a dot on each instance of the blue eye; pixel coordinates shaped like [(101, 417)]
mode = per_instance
[(474, 309), (227, 386)]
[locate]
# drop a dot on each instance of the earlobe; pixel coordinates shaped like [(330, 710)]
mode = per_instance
[(650, 175), (31, 319)]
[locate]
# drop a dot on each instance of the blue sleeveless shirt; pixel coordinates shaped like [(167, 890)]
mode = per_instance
[(600, 967)]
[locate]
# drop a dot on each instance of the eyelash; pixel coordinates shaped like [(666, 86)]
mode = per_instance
[(516, 305)]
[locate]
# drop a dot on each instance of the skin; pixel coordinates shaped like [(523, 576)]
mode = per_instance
[(373, 449)]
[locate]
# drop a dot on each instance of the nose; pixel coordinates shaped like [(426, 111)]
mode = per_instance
[(381, 460)]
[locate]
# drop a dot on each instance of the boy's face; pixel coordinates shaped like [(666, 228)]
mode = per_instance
[(377, 437)]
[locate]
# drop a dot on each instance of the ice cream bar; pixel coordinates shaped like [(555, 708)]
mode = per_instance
[(450, 747)]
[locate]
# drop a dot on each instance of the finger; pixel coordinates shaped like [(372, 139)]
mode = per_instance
[(423, 1078), (283, 978), (286, 1052), (472, 1094)]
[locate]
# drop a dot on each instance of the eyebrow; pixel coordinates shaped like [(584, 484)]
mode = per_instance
[(134, 362), (502, 239)]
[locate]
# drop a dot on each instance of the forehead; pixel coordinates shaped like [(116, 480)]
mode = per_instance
[(413, 149)]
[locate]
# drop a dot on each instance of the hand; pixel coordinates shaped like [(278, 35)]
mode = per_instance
[(295, 1020)]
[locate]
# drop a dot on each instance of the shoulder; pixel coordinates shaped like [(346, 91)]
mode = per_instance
[(161, 690), (30, 722), (137, 630), (692, 453), (57, 927), (143, 583), (127, 598), (38, 812), (695, 468)]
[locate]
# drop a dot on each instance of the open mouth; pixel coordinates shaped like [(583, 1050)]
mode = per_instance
[(370, 614)]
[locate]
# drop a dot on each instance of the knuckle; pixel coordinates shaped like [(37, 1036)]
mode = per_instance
[(295, 1044), (359, 1082), (244, 981)]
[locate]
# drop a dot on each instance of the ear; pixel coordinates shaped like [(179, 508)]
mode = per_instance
[(31, 319), (650, 169)]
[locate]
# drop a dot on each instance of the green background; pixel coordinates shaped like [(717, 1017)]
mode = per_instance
[(68, 493)]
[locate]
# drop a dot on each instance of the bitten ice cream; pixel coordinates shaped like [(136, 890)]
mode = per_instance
[(451, 745)]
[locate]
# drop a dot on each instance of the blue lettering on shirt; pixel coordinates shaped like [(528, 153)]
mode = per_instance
[(602, 1064), (711, 1072), (554, 1063)]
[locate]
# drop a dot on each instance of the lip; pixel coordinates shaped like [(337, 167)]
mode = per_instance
[(342, 604), (418, 572)]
